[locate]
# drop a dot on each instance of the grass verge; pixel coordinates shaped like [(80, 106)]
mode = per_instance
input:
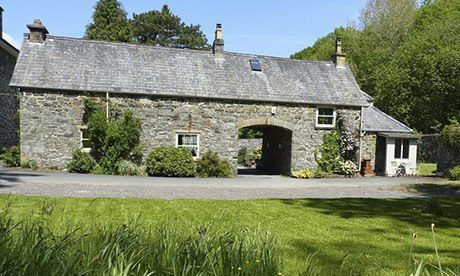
[(360, 235)]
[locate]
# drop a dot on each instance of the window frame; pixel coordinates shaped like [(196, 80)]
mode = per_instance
[(404, 144), (185, 146), (82, 139), (317, 116)]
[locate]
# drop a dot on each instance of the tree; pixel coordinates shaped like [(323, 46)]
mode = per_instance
[(109, 23), (420, 84), (324, 47), (163, 28)]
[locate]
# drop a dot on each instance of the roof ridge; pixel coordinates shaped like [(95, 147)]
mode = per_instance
[(115, 43)]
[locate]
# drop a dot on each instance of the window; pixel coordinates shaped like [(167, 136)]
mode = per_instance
[(325, 117), (402, 148), (255, 65), (85, 144), (189, 141)]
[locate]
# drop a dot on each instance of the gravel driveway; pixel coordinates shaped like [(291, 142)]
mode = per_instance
[(242, 187)]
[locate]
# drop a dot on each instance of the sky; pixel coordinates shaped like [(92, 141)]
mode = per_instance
[(265, 27)]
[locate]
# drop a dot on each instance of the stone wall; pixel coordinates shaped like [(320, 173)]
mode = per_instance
[(428, 146), (249, 144), (368, 147), (8, 102), (448, 158), (50, 124)]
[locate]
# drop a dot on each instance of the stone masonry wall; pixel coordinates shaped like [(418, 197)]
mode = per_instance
[(368, 147), (427, 151), (8, 102), (50, 124), (250, 144)]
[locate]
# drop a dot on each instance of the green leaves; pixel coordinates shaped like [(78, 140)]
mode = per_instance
[(407, 58), (158, 28), (163, 28), (109, 23)]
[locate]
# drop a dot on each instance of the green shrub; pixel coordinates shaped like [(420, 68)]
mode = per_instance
[(451, 135), (29, 164), (329, 153), (82, 162), (171, 161), (307, 173), (304, 173), (454, 173), (126, 167), (114, 139), (242, 153), (12, 156), (211, 165), (347, 168)]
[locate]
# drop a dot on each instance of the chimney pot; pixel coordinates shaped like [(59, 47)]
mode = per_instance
[(218, 46), (38, 31)]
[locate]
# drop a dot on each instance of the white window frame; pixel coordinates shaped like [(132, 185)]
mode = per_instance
[(402, 149), (334, 117), (184, 146), (88, 150)]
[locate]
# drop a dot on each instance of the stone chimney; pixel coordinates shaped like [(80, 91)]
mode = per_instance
[(38, 32), (218, 46), (1, 22), (338, 57)]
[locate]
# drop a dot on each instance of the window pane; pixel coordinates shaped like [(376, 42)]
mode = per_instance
[(86, 144), (180, 141), (397, 148), (406, 148), (325, 120), (326, 111), (84, 133)]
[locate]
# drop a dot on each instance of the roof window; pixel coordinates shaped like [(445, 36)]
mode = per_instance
[(255, 65)]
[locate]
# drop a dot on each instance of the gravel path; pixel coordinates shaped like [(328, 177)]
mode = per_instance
[(242, 187)]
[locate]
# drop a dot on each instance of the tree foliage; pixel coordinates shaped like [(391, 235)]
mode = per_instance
[(163, 28), (406, 57), (109, 23)]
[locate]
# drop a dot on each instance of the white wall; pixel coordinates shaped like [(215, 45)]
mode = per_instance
[(390, 154)]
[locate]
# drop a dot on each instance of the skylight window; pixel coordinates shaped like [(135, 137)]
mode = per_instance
[(255, 65)]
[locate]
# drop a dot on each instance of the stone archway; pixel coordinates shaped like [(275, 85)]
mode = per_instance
[(276, 144)]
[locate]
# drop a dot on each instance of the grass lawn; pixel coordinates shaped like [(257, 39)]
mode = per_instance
[(427, 169), (377, 232)]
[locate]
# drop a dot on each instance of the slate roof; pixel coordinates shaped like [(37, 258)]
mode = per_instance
[(5, 45), (375, 120), (80, 65)]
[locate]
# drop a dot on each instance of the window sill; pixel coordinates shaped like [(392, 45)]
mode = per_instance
[(324, 126)]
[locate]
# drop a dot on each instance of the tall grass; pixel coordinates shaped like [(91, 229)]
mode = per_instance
[(29, 248)]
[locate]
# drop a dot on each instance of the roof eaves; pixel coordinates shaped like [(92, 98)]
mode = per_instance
[(9, 48), (22, 86)]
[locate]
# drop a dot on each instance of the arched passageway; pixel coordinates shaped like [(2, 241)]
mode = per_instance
[(276, 146)]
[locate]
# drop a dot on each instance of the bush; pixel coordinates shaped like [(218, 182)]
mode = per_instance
[(307, 173), (304, 173), (29, 164), (82, 162), (328, 160), (129, 168), (211, 165), (454, 173), (347, 168), (170, 161), (451, 135), (12, 156), (249, 158)]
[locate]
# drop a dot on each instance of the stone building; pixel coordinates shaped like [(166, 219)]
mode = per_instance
[(8, 97), (189, 98)]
